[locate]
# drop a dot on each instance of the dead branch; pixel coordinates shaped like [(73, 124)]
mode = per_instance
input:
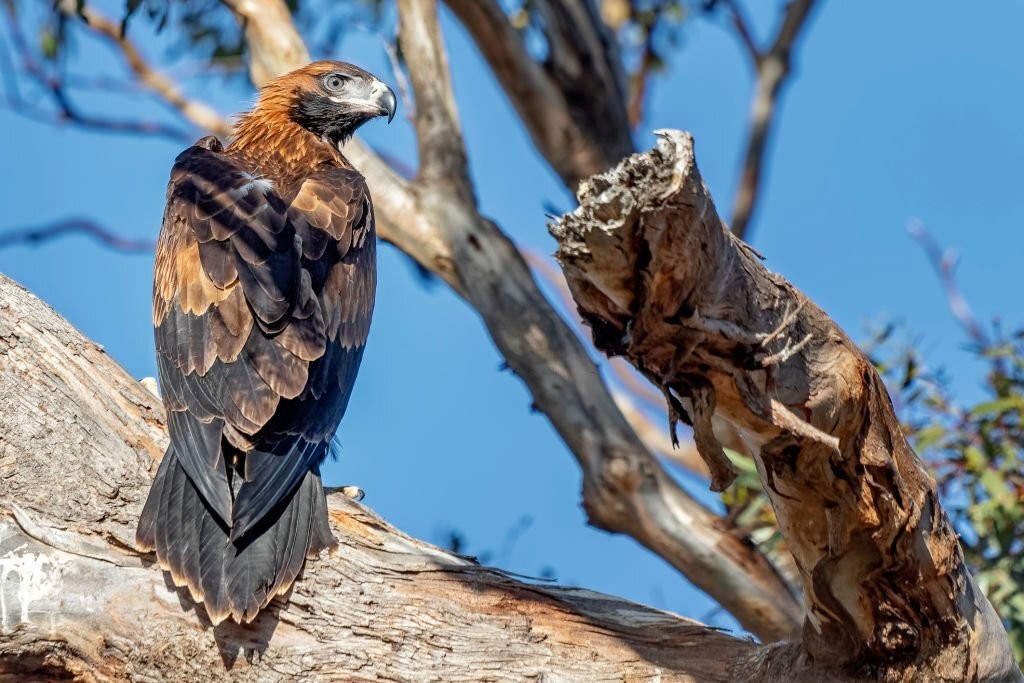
[(663, 283)]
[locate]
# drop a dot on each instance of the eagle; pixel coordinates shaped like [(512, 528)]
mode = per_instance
[(263, 291)]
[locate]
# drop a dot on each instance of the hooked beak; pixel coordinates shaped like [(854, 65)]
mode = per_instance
[(384, 97)]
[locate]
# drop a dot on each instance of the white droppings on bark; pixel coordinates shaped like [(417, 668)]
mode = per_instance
[(26, 577)]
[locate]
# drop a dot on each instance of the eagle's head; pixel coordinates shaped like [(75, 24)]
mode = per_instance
[(329, 99)]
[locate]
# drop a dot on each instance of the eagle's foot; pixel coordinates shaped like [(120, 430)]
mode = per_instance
[(351, 492)]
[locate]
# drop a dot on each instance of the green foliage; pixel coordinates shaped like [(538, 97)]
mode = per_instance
[(976, 454), (205, 28)]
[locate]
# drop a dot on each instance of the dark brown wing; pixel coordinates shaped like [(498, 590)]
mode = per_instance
[(261, 310), (341, 269)]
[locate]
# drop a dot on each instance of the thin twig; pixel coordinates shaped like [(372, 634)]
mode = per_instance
[(656, 437), (773, 70), (638, 82), (944, 264), (69, 226), (198, 113), (742, 26), (65, 110)]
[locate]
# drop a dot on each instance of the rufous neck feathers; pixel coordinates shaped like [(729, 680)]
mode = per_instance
[(269, 138)]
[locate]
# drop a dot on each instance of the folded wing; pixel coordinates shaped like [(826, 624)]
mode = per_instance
[(262, 303)]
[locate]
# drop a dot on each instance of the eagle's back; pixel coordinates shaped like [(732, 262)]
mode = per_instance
[(263, 292)]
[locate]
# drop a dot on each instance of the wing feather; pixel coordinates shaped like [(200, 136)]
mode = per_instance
[(261, 308)]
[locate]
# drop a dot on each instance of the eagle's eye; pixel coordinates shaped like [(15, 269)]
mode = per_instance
[(335, 82)]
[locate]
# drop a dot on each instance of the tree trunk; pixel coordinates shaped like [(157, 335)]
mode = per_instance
[(661, 281)]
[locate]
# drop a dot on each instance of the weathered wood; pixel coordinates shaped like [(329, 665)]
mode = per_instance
[(79, 441), (662, 282)]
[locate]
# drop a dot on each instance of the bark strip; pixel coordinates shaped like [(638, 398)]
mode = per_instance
[(663, 283)]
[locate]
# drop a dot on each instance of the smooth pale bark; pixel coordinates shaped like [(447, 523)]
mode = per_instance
[(663, 283)]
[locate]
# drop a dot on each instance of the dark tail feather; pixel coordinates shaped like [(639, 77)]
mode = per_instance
[(265, 561), (238, 579), (145, 534)]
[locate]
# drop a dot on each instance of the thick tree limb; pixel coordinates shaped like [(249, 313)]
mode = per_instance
[(658, 513), (275, 47), (79, 441), (663, 283), (625, 488)]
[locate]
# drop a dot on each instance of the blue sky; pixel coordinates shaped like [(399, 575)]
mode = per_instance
[(897, 111)]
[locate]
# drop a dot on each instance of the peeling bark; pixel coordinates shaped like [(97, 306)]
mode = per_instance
[(663, 283)]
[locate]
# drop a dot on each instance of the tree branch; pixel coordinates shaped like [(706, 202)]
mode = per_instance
[(743, 30), (638, 396), (944, 263), (573, 105), (442, 151), (198, 113), (66, 110), (79, 441), (625, 488), (275, 47), (43, 233), (773, 68), (663, 283)]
